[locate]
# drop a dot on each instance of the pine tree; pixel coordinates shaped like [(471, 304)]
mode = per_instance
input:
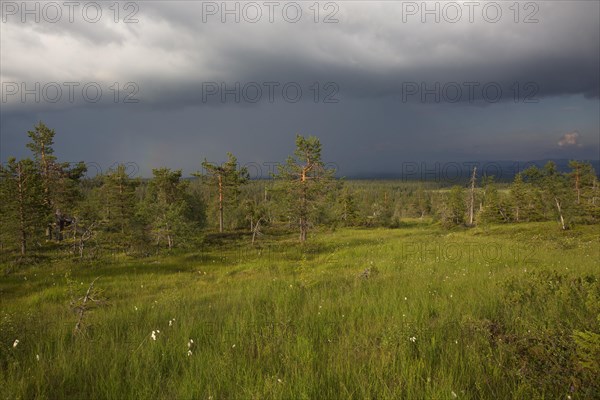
[(555, 185), (165, 207), (518, 198), (85, 222), (492, 207), (119, 205), (226, 179), (584, 183), (552, 191), (456, 207), (42, 139), (304, 180), (422, 202), (60, 182), (22, 202), (348, 213)]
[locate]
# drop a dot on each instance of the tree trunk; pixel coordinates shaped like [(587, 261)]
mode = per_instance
[(21, 197), (121, 205), (302, 229), (220, 203), (255, 231), (303, 211), (472, 199), (562, 220), (45, 176), (74, 234), (81, 247), (577, 188)]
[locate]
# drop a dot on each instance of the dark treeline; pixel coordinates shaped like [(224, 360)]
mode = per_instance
[(47, 204)]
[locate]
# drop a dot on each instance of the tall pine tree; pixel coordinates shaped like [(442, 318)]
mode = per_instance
[(119, 206), (21, 195), (226, 179), (304, 179), (60, 181), (166, 208)]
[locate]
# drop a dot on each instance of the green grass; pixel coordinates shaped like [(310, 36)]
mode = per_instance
[(482, 313)]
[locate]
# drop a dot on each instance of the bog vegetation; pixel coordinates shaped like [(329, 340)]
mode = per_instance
[(300, 286)]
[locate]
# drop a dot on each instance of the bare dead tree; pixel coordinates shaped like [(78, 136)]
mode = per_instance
[(81, 235), (562, 220), (256, 230), (86, 235), (84, 304)]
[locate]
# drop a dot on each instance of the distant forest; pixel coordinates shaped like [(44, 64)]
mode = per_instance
[(46, 204)]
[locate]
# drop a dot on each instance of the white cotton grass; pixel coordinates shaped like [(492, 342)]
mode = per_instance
[(15, 343), (190, 344), (413, 339), (153, 334), (171, 322)]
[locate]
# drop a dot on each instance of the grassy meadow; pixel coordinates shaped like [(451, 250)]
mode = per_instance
[(416, 312)]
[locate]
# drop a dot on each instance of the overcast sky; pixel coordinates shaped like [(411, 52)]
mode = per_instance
[(380, 82)]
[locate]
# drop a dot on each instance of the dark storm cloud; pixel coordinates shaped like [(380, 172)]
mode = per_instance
[(373, 58), (171, 52)]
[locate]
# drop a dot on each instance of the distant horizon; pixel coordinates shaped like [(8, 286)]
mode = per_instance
[(426, 171)]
